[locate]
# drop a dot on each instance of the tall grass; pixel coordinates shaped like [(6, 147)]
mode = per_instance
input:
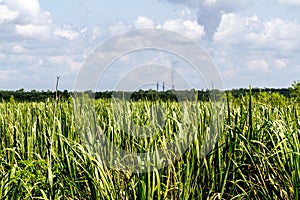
[(256, 157)]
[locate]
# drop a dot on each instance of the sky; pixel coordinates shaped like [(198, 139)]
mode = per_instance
[(250, 42)]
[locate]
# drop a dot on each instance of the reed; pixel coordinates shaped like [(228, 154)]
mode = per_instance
[(257, 156)]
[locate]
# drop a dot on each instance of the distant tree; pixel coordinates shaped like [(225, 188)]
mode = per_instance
[(295, 90)]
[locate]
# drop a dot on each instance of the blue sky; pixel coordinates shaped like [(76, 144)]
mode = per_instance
[(251, 42)]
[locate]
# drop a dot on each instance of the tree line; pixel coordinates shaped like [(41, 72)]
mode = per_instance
[(204, 95)]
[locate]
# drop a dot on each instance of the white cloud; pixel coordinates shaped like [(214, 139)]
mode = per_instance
[(28, 8), (29, 12), (66, 33), (210, 11), (31, 22), (250, 32), (118, 27), (29, 40), (290, 2), (96, 32), (230, 29), (234, 29), (281, 64), (18, 49), (190, 28), (143, 22), (256, 50), (187, 27), (6, 14), (245, 48), (33, 31), (260, 66), (26, 19), (69, 64)]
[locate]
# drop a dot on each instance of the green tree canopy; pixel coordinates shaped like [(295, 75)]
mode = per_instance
[(295, 91)]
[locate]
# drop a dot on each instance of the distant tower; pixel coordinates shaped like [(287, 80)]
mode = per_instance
[(163, 86), (157, 86)]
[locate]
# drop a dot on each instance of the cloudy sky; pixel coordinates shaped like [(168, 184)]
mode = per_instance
[(251, 42)]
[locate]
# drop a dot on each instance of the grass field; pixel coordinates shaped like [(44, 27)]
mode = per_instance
[(257, 156)]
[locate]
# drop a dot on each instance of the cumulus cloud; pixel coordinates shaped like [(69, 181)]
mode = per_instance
[(260, 66), (143, 22), (29, 11), (29, 7), (34, 49), (71, 32), (26, 19), (32, 46), (33, 31), (210, 11), (252, 48), (281, 64), (7, 14), (190, 28), (187, 27), (118, 27), (251, 32)]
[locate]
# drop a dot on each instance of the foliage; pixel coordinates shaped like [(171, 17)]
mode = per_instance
[(295, 91), (204, 95), (257, 156)]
